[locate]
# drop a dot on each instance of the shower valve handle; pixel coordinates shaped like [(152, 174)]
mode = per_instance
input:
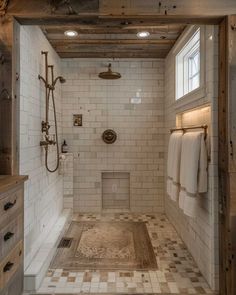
[(48, 141), (45, 126)]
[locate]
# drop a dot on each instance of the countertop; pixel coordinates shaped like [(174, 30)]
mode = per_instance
[(9, 181)]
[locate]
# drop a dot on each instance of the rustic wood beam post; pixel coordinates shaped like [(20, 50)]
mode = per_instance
[(227, 155), (9, 95)]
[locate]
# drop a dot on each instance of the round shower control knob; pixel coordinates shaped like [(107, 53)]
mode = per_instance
[(109, 136)]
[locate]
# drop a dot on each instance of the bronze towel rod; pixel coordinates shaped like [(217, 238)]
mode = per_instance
[(184, 129)]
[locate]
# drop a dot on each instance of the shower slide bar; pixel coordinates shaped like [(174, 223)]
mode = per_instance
[(185, 129)]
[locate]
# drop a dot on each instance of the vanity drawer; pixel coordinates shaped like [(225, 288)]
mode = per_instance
[(10, 203), (10, 264), (10, 235)]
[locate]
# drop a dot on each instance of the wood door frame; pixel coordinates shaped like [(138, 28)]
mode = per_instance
[(226, 155), (227, 263)]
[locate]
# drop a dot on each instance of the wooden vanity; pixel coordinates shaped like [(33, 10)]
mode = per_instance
[(11, 234)]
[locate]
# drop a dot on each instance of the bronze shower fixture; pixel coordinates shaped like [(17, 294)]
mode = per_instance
[(109, 136), (109, 74), (49, 91)]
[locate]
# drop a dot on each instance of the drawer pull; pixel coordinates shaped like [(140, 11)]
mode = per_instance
[(9, 205), (8, 266), (8, 235)]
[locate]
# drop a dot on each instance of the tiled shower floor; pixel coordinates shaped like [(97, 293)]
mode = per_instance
[(177, 272)]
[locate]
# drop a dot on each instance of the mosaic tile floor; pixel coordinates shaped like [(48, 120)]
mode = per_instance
[(177, 272), (105, 246)]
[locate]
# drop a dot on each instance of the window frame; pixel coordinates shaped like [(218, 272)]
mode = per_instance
[(186, 36), (198, 73)]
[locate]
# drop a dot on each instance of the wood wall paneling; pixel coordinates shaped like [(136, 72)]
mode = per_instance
[(6, 35), (9, 95)]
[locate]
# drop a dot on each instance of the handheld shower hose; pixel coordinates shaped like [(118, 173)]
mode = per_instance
[(56, 134)]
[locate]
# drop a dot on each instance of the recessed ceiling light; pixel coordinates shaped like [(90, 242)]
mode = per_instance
[(71, 33), (143, 34)]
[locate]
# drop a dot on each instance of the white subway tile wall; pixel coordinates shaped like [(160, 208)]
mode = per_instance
[(66, 169), (115, 190), (134, 107), (141, 108), (200, 234), (43, 190)]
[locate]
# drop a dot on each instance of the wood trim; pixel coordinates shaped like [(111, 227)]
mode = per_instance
[(9, 102), (223, 157), (99, 20), (163, 19), (227, 174), (16, 97)]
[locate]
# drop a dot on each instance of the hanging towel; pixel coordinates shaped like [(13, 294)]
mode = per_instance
[(169, 186), (193, 171), (173, 165), (203, 167), (190, 204), (182, 195), (190, 154)]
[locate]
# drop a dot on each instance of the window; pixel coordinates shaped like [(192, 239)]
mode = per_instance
[(188, 66)]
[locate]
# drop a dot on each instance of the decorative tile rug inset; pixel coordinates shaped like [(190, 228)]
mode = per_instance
[(177, 272), (106, 246)]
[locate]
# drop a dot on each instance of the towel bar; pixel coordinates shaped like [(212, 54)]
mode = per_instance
[(185, 129)]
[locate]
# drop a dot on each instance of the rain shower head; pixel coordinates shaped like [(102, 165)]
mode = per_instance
[(109, 75)]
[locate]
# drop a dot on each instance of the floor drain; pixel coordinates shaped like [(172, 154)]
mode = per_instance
[(65, 243)]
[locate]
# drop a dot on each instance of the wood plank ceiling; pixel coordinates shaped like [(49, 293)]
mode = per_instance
[(117, 39), (108, 28)]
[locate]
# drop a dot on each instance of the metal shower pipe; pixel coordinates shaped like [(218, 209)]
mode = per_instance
[(49, 89)]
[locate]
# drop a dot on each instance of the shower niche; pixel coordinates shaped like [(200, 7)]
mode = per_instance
[(115, 190)]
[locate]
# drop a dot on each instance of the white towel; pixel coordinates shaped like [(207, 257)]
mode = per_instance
[(203, 167), (190, 154), (170, 155), (169, 186), (190, 205), (193, 171), (182, 195), (173, 165)]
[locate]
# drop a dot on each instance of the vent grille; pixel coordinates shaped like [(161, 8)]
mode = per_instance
[(65, 243)]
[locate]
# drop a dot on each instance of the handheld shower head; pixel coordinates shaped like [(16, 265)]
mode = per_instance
[(62, 80)]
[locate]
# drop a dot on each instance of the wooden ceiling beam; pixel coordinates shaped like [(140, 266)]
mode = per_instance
[(147, 54), (109, 31), (77, 42), (122, 21), (112, 48), (163, 19), (130, 29), (36, 9), (120, 36)]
